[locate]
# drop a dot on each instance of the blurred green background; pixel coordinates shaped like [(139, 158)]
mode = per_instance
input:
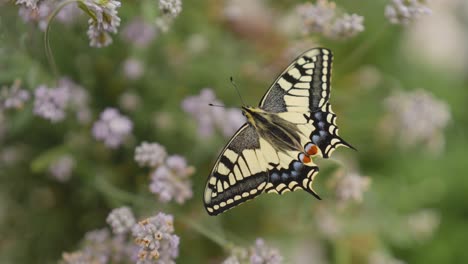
[(415, 207)]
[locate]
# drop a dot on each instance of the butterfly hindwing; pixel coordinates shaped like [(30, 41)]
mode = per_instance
[(285, 171), (239, 173)]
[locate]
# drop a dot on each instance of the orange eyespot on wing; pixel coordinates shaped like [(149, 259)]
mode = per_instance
[(311, 150)]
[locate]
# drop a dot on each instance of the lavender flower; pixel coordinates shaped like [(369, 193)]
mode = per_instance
[(97, 37), (417, 117), (95, 249), (405, 11), (316, 17), (150, 154), (156, 240), (351, 187), (79, 99), (348, 26), (133, 68), (322, 17), (13, 97), (260, 253), (121, 220), (31, 4), (61, 169), (99, 247), (139, 33), (51, 103), (163, 24), (104, 20), (69, 14), (208, 118), (170, 7), (37, 15), (112, 128), (171, 180)]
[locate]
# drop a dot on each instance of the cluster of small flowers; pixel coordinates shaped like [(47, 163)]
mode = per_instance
[(141, 33), (121, 220), (133, 68), (32, 4), (61, 168), (78, 99), (170, 9), (228, 120), (100, 247), (51, 103), (13, 97), (170, 176), (104, 20), (258, 254), (350, 187), (417, 117), (405, 11), (153, 241), (112, 128), (150, 154), (322, 17), (38, 12), (156, 239)]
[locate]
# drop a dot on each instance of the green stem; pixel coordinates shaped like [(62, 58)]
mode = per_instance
[(48, 50), (222, 242), (115, 194)]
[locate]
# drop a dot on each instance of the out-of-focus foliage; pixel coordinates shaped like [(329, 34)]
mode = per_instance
[(128, 72)]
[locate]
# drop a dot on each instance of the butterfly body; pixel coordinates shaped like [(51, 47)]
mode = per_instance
[(280, 133), (273, 152)]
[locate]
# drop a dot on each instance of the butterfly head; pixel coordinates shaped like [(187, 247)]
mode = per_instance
[(254, 115)]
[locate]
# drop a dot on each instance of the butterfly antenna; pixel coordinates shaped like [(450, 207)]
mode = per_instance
[(237, 90), (210, 104)]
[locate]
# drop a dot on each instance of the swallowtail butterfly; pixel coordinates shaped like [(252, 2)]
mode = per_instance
[(274, 151)]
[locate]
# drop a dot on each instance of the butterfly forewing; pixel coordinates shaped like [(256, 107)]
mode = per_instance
[(303, 86), (300, 95)]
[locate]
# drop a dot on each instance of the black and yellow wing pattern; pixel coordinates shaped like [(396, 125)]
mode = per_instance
[(301, 93), (250, 165)]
